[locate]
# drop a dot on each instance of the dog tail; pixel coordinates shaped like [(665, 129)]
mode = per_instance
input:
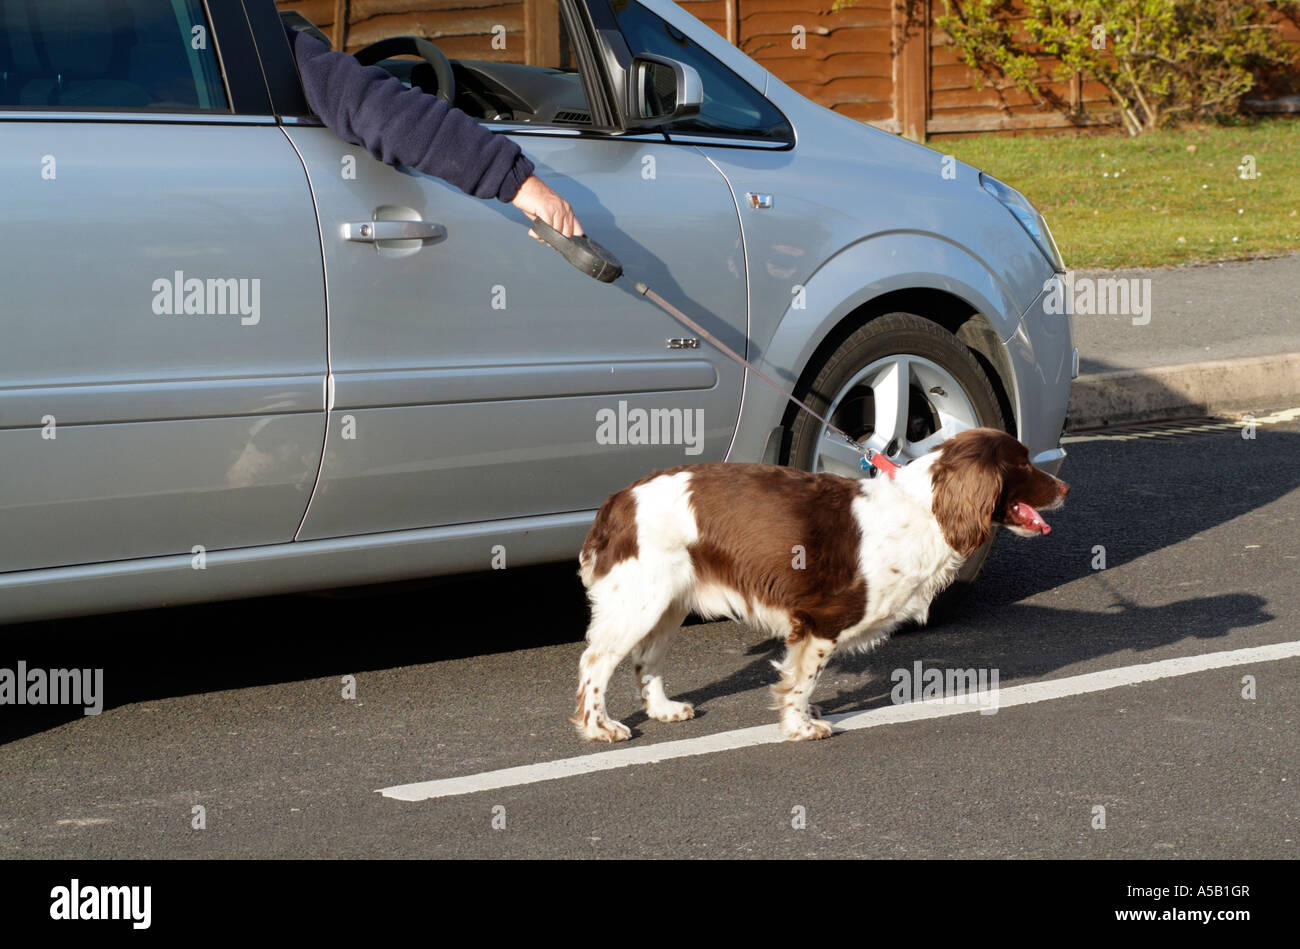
[(587, 564)]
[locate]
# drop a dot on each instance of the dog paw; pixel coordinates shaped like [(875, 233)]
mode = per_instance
[(671, 712), (809, 729), (607, 730)]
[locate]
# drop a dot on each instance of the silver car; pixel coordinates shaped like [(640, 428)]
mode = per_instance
[(239, 356)]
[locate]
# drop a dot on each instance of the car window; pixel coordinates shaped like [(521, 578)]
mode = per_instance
[(516, 70), (731, 105), (156, 55), (512, 65)]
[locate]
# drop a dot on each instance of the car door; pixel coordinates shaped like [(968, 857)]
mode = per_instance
[(475, 374), (163, 357)]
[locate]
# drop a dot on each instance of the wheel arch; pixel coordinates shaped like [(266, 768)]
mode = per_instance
[(954, 314), (956, 290)]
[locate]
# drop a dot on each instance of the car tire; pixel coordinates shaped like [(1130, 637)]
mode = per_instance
[(897, 336)]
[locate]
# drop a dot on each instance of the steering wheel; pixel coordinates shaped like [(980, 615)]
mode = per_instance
[(416, 46)]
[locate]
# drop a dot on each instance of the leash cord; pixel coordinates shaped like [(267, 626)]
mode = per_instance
[(685, 320)]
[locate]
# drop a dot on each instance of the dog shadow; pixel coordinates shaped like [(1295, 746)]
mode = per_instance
[(1060, 638)]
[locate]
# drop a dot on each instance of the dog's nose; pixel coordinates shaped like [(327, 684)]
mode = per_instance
[(1065, 489)]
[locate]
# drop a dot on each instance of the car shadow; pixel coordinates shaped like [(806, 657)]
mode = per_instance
[(187, 650)]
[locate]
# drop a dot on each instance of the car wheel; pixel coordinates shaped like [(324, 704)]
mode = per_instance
[(901, 384)]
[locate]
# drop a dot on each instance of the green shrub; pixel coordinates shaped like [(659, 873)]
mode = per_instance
[(1160, 60)]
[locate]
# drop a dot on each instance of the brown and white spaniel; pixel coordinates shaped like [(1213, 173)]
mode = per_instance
[(817, 559)]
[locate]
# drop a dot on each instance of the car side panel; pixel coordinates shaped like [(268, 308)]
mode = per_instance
[(128, 429), (472, 374)]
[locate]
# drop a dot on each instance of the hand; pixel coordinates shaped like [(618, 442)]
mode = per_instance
[(538, 201)]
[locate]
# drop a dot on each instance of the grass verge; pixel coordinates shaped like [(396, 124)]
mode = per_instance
[(1161, 199)]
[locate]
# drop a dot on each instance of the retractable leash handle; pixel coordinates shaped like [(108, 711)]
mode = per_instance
[(583, 252)]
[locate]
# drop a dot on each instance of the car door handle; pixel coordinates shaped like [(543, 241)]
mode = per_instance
[(367, 232)]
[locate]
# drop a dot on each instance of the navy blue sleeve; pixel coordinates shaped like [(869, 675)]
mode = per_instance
[(367, 106)]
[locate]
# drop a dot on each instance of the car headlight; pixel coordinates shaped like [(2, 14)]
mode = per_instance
[(1034, 223)]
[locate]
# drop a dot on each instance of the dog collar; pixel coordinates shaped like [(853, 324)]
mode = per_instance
[(874, 461)]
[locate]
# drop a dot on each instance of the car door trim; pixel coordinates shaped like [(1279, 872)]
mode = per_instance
[(162, 400), (663, 138), (123, 115), (568, 131), (275, 569), (723, 141), (389, 388)]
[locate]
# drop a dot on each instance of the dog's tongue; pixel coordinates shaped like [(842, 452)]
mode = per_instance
[(1028, 518)]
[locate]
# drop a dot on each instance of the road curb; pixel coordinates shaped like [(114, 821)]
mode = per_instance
[(1226, 386)]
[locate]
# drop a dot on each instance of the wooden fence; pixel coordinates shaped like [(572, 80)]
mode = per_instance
[(879, 61)]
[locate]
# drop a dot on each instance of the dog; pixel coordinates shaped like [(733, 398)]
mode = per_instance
[(820, 560)]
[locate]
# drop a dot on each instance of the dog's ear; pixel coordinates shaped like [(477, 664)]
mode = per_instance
[(967, 481)]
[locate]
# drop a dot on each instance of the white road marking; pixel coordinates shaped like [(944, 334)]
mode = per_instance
[(892, 715)]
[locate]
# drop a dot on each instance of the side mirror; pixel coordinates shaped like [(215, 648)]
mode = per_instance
[(662, 89)]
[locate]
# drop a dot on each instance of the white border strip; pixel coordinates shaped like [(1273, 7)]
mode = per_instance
[(1129, 431), (871, 718)]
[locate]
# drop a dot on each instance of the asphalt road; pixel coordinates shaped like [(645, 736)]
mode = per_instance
[(238, 707)]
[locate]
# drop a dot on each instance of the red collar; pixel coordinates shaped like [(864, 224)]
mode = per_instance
[(876, 459)]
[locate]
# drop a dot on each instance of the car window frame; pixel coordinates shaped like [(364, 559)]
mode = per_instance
[(284, 83), (597, 34), (621, 54), (598, 47)]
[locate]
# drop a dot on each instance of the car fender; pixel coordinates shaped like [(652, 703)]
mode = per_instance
[(859, 273)]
